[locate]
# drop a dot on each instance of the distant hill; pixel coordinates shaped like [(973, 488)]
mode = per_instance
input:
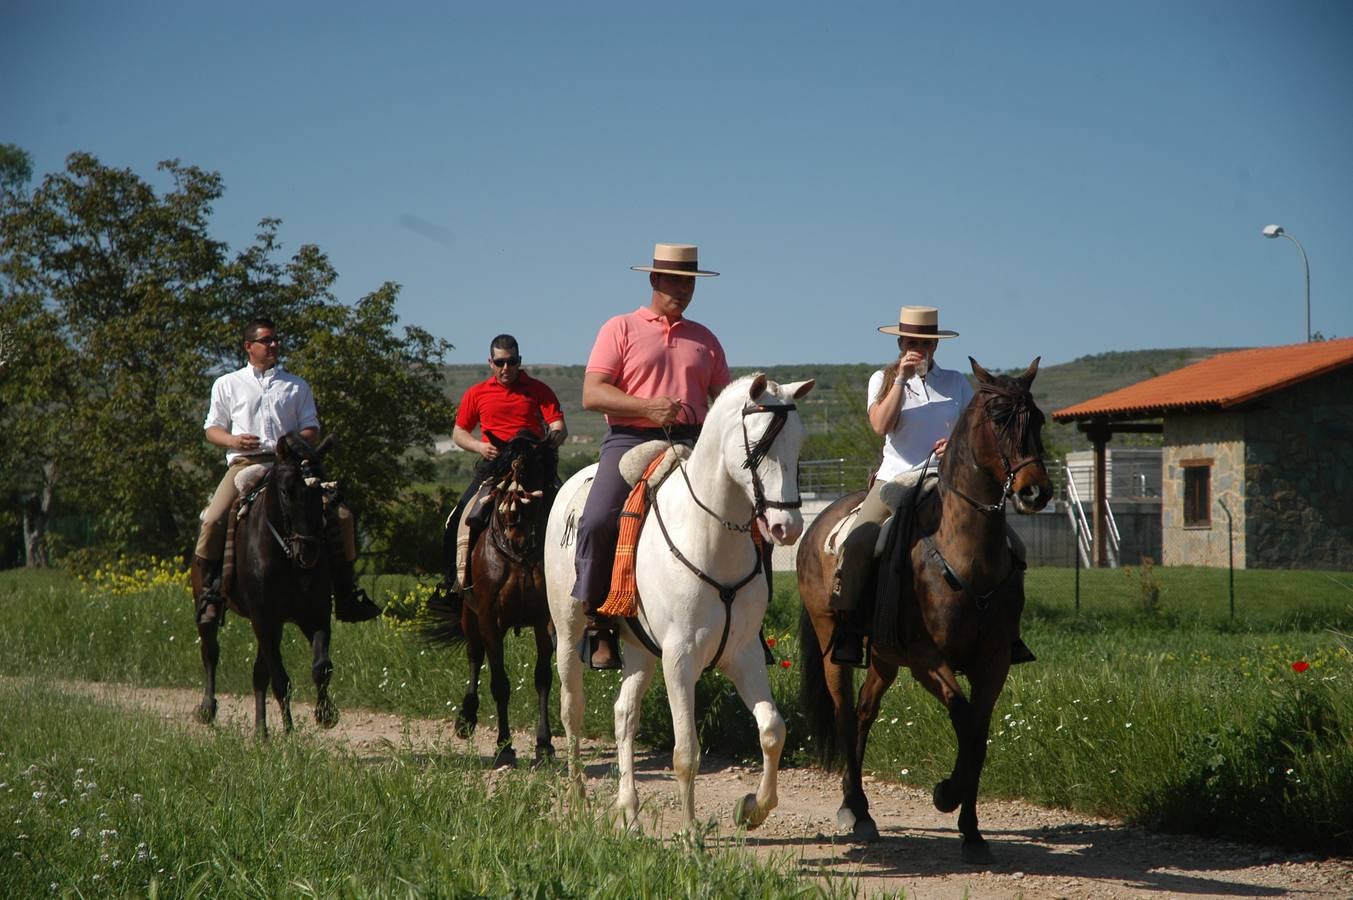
[(1056, 387)]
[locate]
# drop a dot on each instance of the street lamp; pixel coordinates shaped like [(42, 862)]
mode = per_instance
[(1273, 231)]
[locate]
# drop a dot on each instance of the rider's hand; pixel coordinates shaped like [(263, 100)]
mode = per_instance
[(939, 447), (487, 450), (908, 362), (246, 443), (662, 410)]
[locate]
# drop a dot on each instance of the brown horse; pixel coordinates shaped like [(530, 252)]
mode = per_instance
[(281, 575), (508, 588), (957, 590)]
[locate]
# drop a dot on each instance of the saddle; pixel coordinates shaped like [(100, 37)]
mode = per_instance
[(905, 492)]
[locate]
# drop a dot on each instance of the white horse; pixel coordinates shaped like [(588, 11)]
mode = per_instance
[(743, 470)]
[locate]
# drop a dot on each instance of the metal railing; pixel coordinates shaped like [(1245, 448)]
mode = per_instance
[(1075, 510)]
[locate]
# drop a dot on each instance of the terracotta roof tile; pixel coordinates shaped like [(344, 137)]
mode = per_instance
[(1219, 382)]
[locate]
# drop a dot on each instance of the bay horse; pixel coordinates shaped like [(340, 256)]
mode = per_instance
[(702, 591), (508, 588), (281, 575), (958, 590)]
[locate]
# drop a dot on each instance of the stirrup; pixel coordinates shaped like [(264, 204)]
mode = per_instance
[(847, 647), (594, 639)]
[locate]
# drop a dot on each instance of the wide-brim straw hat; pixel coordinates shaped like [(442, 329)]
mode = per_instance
[(675, 259), (918, 322)]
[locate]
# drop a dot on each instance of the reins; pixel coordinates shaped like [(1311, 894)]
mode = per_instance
[(293, 545)]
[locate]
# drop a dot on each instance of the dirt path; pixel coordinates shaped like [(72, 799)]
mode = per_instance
[(1039, 852)]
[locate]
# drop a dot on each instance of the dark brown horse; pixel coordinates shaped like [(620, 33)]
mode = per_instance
[(508, 588), (281, 575), (957, 588)]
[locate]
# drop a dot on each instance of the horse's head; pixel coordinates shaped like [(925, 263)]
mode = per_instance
[(760, 439), (523, 474), (1005, 436), (299, 498)]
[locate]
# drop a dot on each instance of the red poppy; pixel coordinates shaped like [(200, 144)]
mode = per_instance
[(786, 663), (770, 642), (1300, 665)]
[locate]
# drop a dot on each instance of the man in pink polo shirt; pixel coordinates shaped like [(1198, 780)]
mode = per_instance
[(653, 372)]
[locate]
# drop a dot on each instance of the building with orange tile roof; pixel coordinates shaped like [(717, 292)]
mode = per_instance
[(1263, 437)]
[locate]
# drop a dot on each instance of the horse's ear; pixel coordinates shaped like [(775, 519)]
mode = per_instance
[(982, 374), (800, 389), (758, 386), (326, 445), (284, 449), (1028, 377)]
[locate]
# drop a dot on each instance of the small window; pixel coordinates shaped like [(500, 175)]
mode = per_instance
[(1197, 494)]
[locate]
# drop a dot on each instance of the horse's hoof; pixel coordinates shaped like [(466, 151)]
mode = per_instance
[(745, 813), (946, 796), (326, 716), (864, 832), (464, 729), (845, 819), (506, 756), (976, 852), (206, 712), (544, 755)]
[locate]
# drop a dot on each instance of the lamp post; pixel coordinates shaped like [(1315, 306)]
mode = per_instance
[(1274, 231)]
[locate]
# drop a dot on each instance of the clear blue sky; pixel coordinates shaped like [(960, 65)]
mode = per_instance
[(1060, 178)]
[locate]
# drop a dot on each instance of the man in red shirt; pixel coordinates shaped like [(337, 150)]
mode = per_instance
[(504, 405), (653, 372)]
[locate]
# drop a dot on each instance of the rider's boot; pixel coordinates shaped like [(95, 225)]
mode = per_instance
[(601, 646), (210, 605), (351, 603), (857, 553)]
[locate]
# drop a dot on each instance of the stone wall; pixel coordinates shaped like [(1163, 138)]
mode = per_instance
[(1219, 436), (1299, 472)]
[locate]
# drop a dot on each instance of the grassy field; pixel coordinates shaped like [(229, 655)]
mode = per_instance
[(99, 802), (1171, 713)]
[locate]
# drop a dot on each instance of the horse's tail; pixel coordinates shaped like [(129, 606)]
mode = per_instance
[(444, 627), (815, 700)]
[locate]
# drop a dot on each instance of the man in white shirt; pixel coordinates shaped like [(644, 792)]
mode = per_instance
[(251, 410)]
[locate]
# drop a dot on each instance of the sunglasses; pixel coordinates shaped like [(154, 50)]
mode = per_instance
[(506, 361), (270, 341)]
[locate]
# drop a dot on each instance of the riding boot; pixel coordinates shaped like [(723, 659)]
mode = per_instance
[(601, 646), (351, 603), (848, 642), (210, 604)]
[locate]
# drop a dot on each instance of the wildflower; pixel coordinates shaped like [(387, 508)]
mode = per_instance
[(906, 771), (786, 663), (38, 795), (1300, 665), (137, 798), (1128, 725), (75, 834), (770, 642)]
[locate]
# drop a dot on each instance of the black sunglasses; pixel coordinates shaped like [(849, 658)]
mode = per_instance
[(506, 361), (267, 341)]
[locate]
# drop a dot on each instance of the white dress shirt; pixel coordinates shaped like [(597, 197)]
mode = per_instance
[(267, 403), (930, 410)]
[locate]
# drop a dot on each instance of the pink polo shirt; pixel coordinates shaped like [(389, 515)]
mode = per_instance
[(647, 356)]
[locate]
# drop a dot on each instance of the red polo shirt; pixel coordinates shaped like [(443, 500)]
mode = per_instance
[(506, 409)]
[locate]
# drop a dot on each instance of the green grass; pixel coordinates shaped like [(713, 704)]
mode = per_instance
[(1176, 715), (103, 802)]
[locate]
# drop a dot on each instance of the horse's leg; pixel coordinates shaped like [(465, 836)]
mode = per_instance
[(747, 671), (638, 673), (987, 684), (260, 691), (544, 678), (879, 678), (569, 631), (270, 645), (679, 673), (468, 717), (211, 655), (501, 688), (935, 675), (321, 670)]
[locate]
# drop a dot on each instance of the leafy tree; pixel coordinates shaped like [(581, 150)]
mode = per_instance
[(124, 309)]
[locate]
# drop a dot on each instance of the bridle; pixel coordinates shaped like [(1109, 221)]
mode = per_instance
[(1018, 417), (753, 457), (294, 545), (506, 496)]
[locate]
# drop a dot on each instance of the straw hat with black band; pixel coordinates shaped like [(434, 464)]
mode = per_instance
[(918, 322), (675, 259)]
